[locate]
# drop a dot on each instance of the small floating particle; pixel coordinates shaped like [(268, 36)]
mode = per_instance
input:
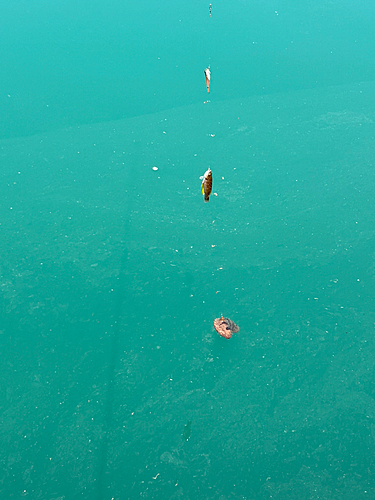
[(215, 194), (212, 135), (155, 168)]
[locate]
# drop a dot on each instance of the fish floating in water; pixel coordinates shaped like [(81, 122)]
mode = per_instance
[(225, 327), (207, 74), (187, 431), (206, 186)]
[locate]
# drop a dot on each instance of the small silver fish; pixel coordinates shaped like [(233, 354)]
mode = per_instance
[(187, 431)]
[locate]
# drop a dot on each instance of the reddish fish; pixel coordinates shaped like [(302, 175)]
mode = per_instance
[(225, 327), (207, 74)]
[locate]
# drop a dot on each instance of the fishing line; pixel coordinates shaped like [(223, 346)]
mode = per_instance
[(112, 363), (120, 312)]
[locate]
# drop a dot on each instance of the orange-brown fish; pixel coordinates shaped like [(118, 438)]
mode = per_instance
[(207, 74), (225, 327), (206, 186)]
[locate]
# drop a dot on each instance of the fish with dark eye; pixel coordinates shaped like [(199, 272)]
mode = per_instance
[(206, 186), (225, 327)]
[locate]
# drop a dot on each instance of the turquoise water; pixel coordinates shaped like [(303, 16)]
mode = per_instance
[(114, 381)]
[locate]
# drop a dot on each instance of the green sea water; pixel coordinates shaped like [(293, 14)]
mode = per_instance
[(115, 384)]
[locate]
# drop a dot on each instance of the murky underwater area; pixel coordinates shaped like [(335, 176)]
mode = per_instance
[(115, 383)]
